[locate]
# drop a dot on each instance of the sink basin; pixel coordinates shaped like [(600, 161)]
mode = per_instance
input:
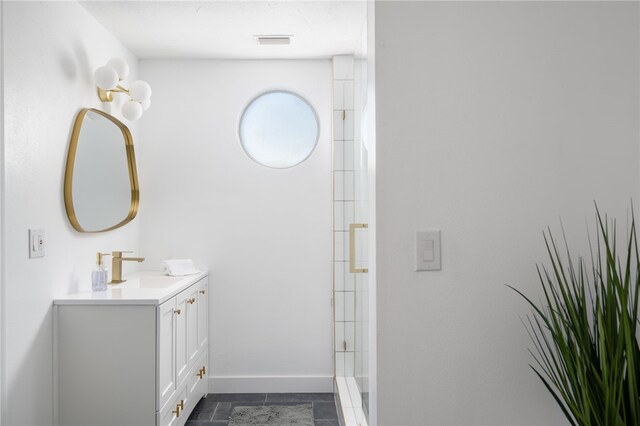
[(160, 281)]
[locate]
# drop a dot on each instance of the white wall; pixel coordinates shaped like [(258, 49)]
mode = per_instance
[(493, 120), (2, 206), (370, 137), (264, 234), (50, 52)]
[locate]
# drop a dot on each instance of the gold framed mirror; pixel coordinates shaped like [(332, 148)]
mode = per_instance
[(101, 190)]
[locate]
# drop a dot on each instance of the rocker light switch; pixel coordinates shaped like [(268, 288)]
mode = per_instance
[(428, 250)]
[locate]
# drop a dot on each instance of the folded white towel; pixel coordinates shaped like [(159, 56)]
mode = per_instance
[(179, 267)]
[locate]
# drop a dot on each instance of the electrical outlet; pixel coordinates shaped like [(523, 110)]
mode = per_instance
[(36, 243)]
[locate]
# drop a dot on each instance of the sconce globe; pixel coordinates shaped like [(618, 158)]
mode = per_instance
[(132, 110), (106, 78), (140, 91), (120, 66)]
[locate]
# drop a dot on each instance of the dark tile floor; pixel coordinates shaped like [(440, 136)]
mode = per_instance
[(215, 409)]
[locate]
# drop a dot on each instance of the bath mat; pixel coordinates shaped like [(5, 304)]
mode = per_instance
[(272, 415)]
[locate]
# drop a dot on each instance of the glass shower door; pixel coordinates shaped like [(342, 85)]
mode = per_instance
[(361, 248), (351, 242)]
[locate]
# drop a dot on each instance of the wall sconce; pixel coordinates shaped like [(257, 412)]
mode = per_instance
[(108, 78)]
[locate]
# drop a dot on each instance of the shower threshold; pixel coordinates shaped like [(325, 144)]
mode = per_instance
[(350, 402)]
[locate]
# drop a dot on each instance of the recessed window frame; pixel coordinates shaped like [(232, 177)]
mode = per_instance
[(289, 92)]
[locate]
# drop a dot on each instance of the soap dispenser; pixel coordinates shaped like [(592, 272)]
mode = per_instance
[(99, 275)]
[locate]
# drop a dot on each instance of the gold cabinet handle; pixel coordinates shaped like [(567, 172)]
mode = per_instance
[(181, 404), (352, 248), (202, 291), (177, 411), (177, 311), (201, 372), (191, 301)]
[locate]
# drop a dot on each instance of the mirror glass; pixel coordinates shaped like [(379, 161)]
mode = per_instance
[(279, 129), (101, 185)]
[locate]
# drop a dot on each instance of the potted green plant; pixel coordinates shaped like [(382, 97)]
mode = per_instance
[(585, 329)]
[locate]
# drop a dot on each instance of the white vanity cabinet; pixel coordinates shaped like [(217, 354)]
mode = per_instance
[(182, 362), (134, 355)]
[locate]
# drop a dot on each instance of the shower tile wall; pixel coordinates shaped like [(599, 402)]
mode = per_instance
[(343, 212)]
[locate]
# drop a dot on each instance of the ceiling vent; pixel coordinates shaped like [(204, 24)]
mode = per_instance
[(273, 40)]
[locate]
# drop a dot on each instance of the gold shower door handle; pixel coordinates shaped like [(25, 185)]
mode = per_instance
[(352, 248)]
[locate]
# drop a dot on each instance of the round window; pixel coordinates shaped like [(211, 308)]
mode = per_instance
[(279, 129)]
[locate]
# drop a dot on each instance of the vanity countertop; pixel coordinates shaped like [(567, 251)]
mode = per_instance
[(141, 288)]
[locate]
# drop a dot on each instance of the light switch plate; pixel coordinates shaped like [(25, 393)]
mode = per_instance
[(36, 243), (428, 250)]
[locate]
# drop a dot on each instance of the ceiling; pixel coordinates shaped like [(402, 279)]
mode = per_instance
[(226, 29)]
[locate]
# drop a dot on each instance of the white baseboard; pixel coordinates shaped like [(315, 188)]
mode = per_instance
[(270, 384)]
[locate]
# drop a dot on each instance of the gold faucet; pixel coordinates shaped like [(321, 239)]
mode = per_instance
[(116, 265)]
